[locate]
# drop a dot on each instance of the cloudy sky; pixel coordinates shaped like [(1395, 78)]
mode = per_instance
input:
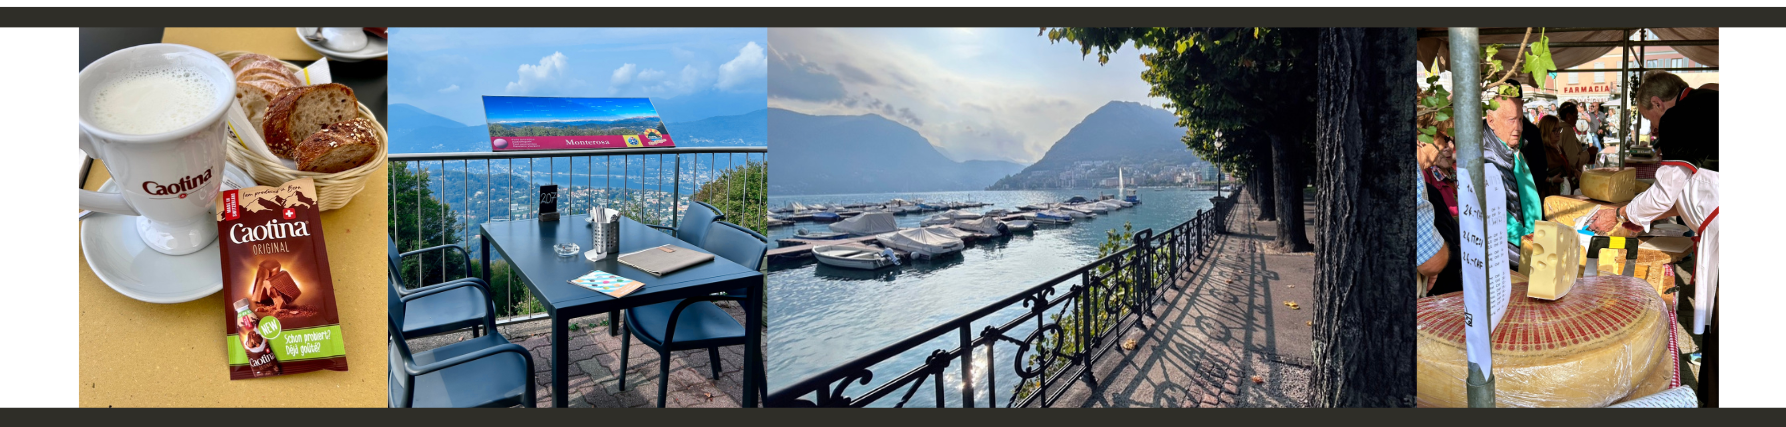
[(689, 74), (977, 94)]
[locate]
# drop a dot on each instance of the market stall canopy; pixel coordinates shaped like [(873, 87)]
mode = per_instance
[(1430, 48)]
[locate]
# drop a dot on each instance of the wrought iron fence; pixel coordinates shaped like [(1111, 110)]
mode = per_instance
[(441, 198), (1054, 339)]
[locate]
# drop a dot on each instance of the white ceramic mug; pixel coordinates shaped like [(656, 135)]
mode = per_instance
[(168, 180)]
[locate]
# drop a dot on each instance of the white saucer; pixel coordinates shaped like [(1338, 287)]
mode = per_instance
[(122, 261), (375, 47)]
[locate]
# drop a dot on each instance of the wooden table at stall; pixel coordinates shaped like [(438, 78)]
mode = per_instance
[(135, 353)]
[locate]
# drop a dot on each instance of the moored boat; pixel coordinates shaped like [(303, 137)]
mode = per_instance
[(856, 257)]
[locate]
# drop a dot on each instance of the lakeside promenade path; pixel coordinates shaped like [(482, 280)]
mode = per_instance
[(1224, 324)]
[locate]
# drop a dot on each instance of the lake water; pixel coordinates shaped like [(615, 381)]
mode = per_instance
[(820, 316)]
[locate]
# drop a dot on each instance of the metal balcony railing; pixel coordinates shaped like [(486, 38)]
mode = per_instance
[(441, 198), (1054, 339)]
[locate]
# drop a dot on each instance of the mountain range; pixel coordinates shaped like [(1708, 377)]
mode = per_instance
[(1136, 137), (864, 154), (414, 130)]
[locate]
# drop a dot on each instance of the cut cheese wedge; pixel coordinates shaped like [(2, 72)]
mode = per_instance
[(1606, 343), (1609, 184), (1553, 262)]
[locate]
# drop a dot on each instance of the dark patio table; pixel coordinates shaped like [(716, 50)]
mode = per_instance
[(528, 244)]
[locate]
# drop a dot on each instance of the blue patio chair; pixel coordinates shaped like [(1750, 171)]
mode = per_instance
[(693, 227), (693, 323), (486, 371), (450, 306)]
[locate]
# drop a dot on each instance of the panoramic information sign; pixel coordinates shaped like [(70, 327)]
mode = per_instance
[(524, 123)]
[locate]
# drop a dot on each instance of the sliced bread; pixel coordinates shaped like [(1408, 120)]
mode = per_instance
[(269, 75), (298, 112), (241, 62), (338, 147), (254, 100)]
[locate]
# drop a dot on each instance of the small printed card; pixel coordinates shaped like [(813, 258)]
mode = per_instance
[(607, 283)]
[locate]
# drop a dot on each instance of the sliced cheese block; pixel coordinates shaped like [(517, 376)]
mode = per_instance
[(1568, 209), (1609, 184), (1608, 342), (1553, 262)]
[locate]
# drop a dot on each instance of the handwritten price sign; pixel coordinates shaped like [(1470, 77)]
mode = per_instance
[(1487, 287)]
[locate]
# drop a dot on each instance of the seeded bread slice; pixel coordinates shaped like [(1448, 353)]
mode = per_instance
[(338, 147), (298, 112)]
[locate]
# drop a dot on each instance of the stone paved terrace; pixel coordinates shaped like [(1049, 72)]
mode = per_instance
[(595, 365), (1224, 325)]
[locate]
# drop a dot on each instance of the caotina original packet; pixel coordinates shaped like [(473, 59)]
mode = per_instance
[(279, 301)]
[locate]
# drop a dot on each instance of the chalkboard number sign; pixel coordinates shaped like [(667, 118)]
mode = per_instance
[(548, 203)]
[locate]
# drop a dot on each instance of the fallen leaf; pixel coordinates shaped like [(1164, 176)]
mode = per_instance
[(1258, 379), (1311, 323)]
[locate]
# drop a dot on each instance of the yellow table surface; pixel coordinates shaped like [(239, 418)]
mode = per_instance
[(277, 42), (181, 361)]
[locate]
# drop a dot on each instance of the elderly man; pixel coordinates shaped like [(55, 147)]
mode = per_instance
[(1501, 148)]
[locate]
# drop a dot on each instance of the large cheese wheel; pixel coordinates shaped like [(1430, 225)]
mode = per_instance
[(1606, 342), (1568, 209)]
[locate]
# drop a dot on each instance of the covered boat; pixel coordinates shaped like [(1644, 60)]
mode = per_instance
[(1052, 217), (826, 217), (867, 224), (982, 226), (959, 214), (1020, 226), (938, 219), (922, 242), (951, 232), (856, 257)]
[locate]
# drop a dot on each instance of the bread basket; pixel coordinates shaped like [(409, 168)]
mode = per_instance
[(334, 189)]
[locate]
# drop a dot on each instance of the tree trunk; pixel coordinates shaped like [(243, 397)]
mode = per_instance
[(1364, 290), (1287, 172), (1264, 190)]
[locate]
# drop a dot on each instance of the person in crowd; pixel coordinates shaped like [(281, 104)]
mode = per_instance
[(1550, 130), (1441, 272), (1531, 148), (1501, 148), (1568, 154), (1597, 125)]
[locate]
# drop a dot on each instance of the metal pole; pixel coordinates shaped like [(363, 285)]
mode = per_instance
[(1625, 93), (1467, 108)]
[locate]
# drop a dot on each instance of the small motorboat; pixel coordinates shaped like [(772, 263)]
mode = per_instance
[(773, 222), (823, 235), (826, 217), (929, 207), (856, 257), (938, 219), (922, 243), (1031, 207), (1052, 217), (1076, 199), (997, 213), (1020, 226)]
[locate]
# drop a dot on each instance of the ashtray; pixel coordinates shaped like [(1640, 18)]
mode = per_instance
[(566, 249)]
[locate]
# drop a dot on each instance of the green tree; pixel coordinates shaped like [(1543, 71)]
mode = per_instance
[(740, 192), (417, 220), (1244, 94)]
